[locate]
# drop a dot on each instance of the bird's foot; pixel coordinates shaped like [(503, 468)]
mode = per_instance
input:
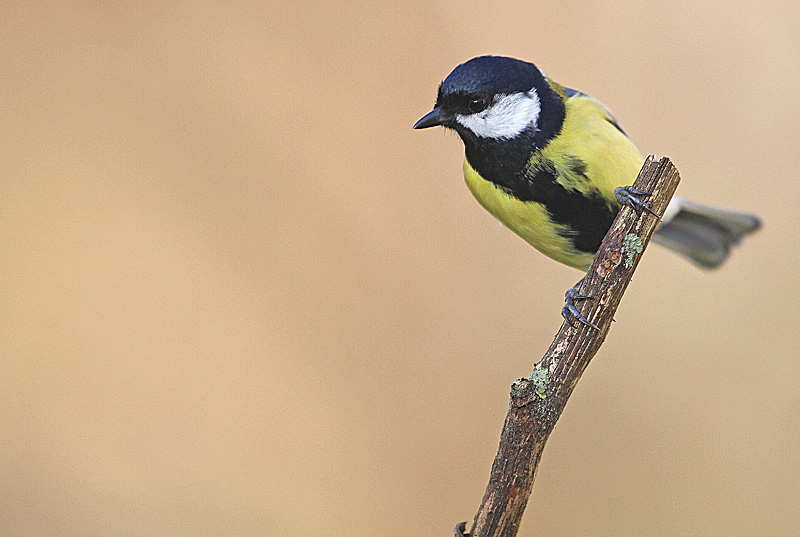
[(627, 195), (570, 312)]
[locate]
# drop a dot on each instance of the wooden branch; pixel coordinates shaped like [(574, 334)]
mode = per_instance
[(537, 402)]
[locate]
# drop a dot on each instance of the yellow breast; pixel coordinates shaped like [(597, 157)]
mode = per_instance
[(610, 159), (529, 220)]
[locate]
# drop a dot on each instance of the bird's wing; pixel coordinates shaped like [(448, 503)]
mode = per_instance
[(611, 119)]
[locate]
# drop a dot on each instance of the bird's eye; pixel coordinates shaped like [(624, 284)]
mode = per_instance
[(477, 105)]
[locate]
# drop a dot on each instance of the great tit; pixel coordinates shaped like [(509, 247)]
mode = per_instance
[(554, 165)]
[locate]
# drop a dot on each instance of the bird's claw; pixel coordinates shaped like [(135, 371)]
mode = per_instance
[(570, 312), (629, 196)]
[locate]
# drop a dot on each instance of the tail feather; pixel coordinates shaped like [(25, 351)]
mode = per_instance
[(703, 234)]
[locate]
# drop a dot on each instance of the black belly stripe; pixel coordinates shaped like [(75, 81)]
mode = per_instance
[(586, 214)]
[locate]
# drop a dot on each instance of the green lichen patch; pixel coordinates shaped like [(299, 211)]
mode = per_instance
[(631, 246), (541, 380)]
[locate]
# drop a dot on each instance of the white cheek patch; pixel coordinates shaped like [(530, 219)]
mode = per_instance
[(506, 118)]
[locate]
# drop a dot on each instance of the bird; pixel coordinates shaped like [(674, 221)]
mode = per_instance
[(554, 166)]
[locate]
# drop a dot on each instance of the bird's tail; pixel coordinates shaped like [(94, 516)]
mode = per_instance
[(701, 233)]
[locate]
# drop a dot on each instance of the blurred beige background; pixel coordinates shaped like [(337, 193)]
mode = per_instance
[(241, 296)]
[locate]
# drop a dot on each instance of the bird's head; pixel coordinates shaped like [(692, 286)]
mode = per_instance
[(494, 98)]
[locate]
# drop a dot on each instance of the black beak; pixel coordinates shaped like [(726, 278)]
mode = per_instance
[(433, 118)]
